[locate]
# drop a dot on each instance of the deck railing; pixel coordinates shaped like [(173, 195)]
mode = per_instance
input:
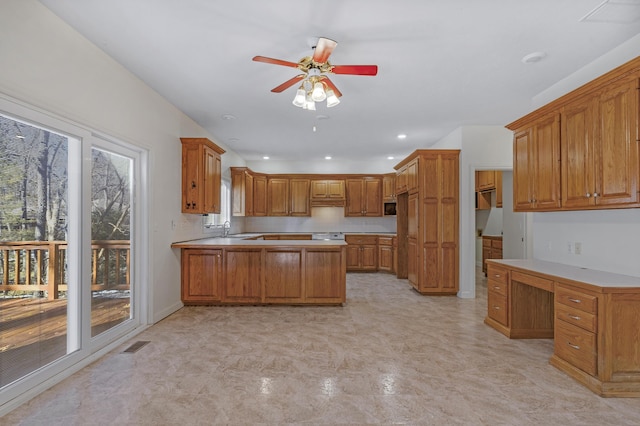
[(41, 266)]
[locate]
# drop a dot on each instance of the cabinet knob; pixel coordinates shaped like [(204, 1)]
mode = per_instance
[(595, 194), (588, 195)]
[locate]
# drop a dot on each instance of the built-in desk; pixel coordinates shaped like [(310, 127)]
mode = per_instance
[(593, 317)]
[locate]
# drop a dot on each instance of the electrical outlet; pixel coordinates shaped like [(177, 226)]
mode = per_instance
[(577, 248), (569, 248)]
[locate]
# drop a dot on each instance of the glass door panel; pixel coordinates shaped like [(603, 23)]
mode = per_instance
[(111, 205), (33, 248)]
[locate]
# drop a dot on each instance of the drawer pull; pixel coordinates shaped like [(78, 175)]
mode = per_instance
[(576, 347), (497, 275), (575, 300), (574, 317), (495, 287), (497, 308)]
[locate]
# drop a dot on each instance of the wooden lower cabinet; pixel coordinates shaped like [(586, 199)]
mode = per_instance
[(362, 252), (201, 276), (592, 316), (491, 249), (264, 275), (386, 254)]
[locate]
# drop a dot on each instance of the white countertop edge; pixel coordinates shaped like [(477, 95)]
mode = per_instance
[(574, 273)]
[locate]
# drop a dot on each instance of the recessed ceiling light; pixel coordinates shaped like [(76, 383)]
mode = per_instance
[(534, 57), (322, 117), (328, 157), (266, 157), (402, 136), (390, 157), (228, 116), (19, 137)]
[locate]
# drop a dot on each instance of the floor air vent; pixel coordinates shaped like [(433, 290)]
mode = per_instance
[(136, 346)]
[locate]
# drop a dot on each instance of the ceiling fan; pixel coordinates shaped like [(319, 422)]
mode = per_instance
[(315, 85)]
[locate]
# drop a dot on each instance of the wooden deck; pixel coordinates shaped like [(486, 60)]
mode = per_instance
[(33, 332)]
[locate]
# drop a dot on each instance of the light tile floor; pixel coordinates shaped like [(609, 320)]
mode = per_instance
[(388, 356)]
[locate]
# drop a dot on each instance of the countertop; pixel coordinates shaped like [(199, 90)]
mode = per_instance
[(593, 277), (240, 241)]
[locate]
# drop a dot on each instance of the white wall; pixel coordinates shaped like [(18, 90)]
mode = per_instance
[(483, 148), (47, 64), (328, 166)]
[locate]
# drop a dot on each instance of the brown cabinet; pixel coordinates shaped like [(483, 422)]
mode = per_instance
[(364, 196), (536, 166), (201, 176), (362, 252), (580, 152), (329, 192), (288, 197), (386, 254), (498, 189), (591, 315), (242, 275), (249, 192), (201, 276), (491, 249), (407, 177), (600, 150), (431, 236), (389, 188), (485, 180)]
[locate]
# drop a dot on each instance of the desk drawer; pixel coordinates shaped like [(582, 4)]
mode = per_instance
[(576, 346), (576, 299), (532, 280), (385, 241), (497, 307), (498, 274), (362, 239), (497, 287), (574, 316)]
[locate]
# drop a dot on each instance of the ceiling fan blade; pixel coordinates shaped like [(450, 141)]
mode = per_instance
[(323, 50), (355, 69), (275, 61), (332, 86), (288, 83)]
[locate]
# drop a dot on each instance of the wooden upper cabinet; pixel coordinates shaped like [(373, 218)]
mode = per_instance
[(485, 180), (328, 192), (536, 166), (389, 188), (259, 195), (498, 188), (615, 155), (288, 197), (201, 176), (600, 149), (364, 197)]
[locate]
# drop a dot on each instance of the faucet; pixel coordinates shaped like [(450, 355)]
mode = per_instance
[(226, 227)]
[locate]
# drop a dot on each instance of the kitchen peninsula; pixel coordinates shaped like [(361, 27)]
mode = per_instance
[(239, 271)]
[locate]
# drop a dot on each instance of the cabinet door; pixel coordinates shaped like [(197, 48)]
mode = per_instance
[(578, 132), (324, 277), (616, 150), (278, 197), (243, 275), (355, 198), (369, 257), (401, 180), (385, 258), (522, 173), (201, 275), (319, 189), (283, 276), (238, 193), (389, 188), (412, 175), (191, 177), (413, 256), (353, 257), (212, 181), (546, 163), (335, 189), (485, 180), (299, 193), (260, 196), (372, 197)]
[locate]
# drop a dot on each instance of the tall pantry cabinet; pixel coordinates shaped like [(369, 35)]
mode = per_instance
[(431, 234)]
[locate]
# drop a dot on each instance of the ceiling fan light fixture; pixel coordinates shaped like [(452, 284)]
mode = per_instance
[(332, 99), (318, 93), (300, 98)]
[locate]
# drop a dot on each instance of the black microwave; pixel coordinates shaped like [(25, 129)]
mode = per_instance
[(389, 209)]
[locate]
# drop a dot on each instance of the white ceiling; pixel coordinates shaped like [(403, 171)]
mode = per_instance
[(442, 64)]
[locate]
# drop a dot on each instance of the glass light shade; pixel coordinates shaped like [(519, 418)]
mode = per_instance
[(300, 98), (332, 99), (318, 94)]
